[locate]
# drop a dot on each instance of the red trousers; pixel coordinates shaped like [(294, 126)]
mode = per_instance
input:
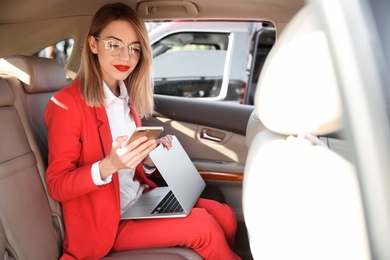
[(209, 229)]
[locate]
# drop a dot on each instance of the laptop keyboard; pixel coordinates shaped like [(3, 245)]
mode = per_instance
[(169, 204)]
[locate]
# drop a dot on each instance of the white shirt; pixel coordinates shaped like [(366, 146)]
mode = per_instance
[(121, 123)]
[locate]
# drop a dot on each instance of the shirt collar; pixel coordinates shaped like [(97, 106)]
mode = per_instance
[(109, 96)]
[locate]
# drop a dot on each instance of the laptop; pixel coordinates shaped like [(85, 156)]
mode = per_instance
[(184, 186)]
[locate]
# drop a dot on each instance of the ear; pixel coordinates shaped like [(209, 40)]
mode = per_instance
[(92, 44)]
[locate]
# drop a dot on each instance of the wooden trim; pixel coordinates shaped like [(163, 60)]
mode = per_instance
[(221, 176), (215, 176)]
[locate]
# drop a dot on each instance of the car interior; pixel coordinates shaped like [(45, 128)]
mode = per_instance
[(290, 161)]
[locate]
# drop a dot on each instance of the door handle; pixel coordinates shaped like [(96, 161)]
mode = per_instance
[(212, 135)]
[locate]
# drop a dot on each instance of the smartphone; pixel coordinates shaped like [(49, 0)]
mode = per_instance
[(151, 132)]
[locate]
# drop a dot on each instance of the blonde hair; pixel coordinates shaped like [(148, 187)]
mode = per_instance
[(139, 84)]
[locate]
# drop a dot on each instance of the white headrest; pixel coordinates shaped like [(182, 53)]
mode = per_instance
[(297, 89)]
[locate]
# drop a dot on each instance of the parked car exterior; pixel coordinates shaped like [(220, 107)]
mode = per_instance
[(210, 60)]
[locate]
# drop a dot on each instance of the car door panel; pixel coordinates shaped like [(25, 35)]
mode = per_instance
[(188, 119), (221, 164), (228, 116), (231, 149)]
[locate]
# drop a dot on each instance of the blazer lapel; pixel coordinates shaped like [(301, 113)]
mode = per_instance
[(106, 141), (104, 129)]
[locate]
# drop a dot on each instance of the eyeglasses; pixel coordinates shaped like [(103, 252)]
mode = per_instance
[(115, 48)]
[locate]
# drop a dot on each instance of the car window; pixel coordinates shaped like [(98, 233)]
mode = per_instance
[(59, 51), (190, 64), (208, 60), (262, 44)]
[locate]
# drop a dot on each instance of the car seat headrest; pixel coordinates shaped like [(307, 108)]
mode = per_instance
[(37, 74), (297, 89)]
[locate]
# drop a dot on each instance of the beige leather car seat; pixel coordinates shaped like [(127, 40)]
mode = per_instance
[(33, 81), (301, 200), (39, 79), (26, 223), (30, 221)]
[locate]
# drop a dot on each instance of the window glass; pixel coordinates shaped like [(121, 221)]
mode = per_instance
[(59, 51), (208, 60), (262, 44), (190, 64)]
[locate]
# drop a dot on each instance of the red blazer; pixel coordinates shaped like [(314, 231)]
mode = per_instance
[(79, 136)]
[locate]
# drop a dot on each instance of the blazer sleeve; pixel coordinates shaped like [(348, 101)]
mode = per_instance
[(66, 177)]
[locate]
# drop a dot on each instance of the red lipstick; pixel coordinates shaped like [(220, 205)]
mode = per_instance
[(122, 68)]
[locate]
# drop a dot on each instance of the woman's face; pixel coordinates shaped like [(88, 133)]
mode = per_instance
[(120, 66)]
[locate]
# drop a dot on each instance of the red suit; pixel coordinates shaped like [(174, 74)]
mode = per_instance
[(78, 136)]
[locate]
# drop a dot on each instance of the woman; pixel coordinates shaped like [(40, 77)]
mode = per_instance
[(94, 175)]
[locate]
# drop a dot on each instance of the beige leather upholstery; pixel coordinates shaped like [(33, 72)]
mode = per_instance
[(301, 200), (298, 92), (30, 221), (38, 75), (27, 78), (25, 213), (3, 243), (253, 127), (37, 79)]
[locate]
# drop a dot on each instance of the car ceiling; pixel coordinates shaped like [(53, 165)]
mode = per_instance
[(276, 10), (28, 26)]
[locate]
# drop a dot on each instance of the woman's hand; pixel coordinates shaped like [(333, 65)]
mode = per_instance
[(127, 157), (166, 141)]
